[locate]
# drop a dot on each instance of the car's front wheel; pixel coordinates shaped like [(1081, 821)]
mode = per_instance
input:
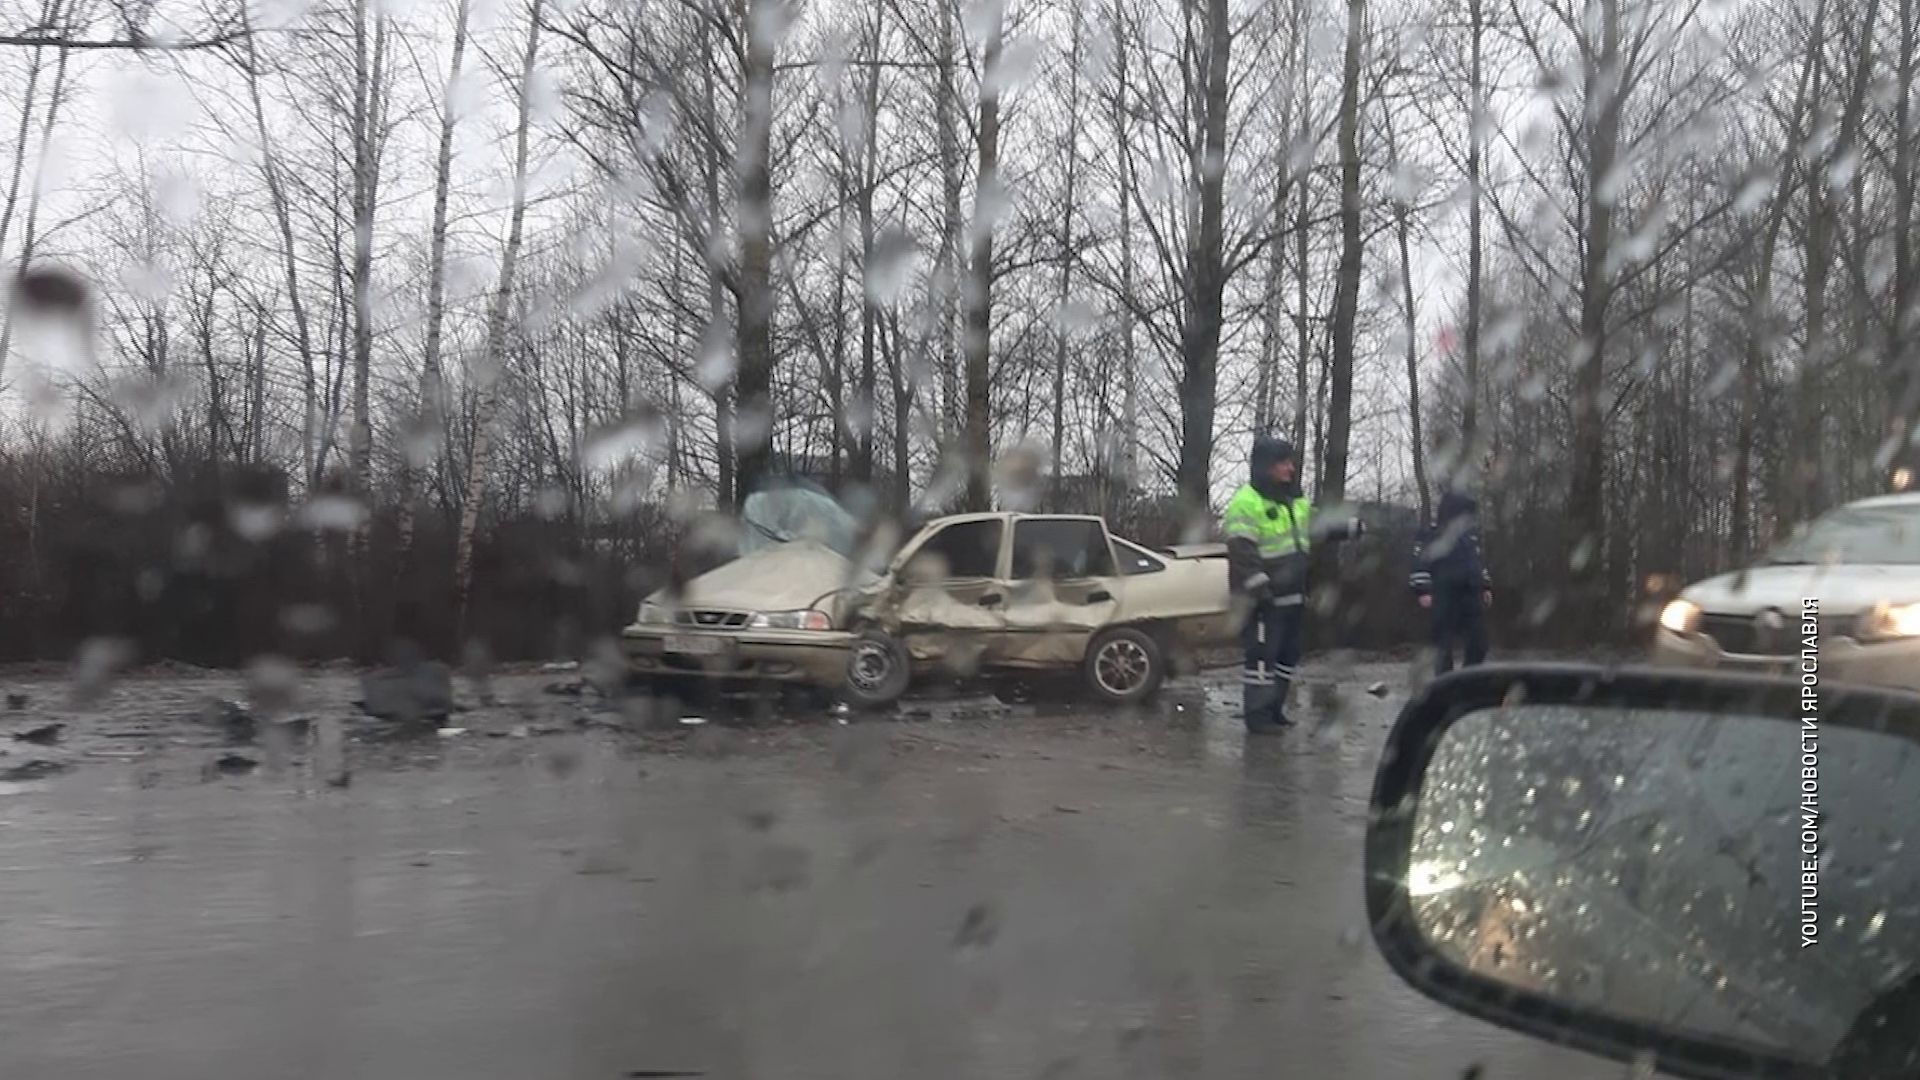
[(877, 671), (1125, 666)]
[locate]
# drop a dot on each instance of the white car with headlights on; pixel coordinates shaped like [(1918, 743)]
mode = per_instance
[(1859, 564)]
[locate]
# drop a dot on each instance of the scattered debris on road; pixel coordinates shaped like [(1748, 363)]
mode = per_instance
[(978, 929), (44, 735), (36, 769), (230, 717), (412, 691), (1378, 689), (232, 765)]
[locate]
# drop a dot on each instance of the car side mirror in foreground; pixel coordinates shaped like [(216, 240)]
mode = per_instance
[(1711, 876)]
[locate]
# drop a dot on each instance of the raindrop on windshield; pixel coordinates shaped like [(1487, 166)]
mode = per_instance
[(333, 513)]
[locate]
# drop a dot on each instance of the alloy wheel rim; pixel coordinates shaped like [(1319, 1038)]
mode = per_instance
[(1121, 666)]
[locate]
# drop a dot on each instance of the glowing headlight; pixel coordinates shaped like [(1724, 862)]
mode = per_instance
[(790, 620), (1680, 616), (1890, 621), (652, 614)]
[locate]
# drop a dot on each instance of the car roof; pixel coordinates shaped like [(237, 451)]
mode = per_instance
[(1010, 515), (1907, 498)]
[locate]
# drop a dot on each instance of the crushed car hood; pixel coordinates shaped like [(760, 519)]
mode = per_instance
[(1842, 589), (786, 577)]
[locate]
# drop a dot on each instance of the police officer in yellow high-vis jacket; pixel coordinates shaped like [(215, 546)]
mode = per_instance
[(1270, 527)]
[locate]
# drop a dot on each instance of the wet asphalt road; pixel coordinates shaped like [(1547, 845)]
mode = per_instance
[(966, 891)]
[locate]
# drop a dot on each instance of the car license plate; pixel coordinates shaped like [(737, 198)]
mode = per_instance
[(695, 645)]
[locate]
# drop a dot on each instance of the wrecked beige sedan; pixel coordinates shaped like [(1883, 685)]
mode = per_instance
[(974, 594)]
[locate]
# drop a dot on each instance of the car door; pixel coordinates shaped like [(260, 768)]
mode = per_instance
[(952, 606), (1062, 588)]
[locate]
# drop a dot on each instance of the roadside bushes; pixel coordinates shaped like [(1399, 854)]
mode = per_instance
[(219, 565)]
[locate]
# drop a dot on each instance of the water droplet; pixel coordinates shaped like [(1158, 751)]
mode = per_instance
[(980, 18), (716, 366), (990, 206), (149, 281), (769, 21), (752, 425), (333, 513), (279, 14), (255, 522), (600, 291), (306, 619), (852, 122), (150, 107), (273, 682), (97, 663), (552, 502), (176, 195), (152, 401), (620, 442), (545, 99), (891, 267), (1019, 60)]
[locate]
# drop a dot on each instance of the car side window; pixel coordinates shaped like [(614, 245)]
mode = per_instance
[(1136, 560), (1062, 550), (968, 549)]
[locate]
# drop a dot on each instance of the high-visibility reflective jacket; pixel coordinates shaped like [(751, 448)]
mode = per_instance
[(1268, 542)]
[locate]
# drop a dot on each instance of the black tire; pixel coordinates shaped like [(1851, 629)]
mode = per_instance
[(878, 672), (1125, 666)]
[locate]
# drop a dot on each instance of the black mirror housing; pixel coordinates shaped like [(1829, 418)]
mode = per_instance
[(1600, 696)]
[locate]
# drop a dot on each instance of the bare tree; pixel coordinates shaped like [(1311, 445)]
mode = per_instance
[(432, 404), (1346, 296), (497, 325), (1205, 270), (977, 334)]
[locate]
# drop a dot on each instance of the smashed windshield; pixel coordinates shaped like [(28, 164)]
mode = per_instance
[(1887, 535), (786, 514)]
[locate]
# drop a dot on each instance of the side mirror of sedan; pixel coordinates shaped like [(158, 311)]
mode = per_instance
[(1707, 875)]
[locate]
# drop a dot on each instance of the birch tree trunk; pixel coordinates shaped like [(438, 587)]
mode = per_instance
[(432, 383), (497, 314)]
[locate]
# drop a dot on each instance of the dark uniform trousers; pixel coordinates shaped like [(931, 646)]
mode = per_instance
[(1270, 647)]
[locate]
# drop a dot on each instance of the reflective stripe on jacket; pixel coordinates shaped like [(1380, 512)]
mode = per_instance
[(1270, 538)]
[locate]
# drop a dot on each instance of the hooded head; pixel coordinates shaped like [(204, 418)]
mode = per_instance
[(1456, 504), (1274, 468)]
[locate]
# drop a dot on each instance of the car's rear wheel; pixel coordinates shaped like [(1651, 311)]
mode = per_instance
[(1125, 666), (878, 671)]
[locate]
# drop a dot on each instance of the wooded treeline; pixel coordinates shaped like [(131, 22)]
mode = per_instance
[(459, 311)]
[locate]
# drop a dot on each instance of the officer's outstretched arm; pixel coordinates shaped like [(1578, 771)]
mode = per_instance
[(1342, 526)]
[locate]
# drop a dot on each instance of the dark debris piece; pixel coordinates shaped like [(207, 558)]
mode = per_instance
[(235, 765), (979, 928), (34, 770), (17, 702), (44, 735)]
